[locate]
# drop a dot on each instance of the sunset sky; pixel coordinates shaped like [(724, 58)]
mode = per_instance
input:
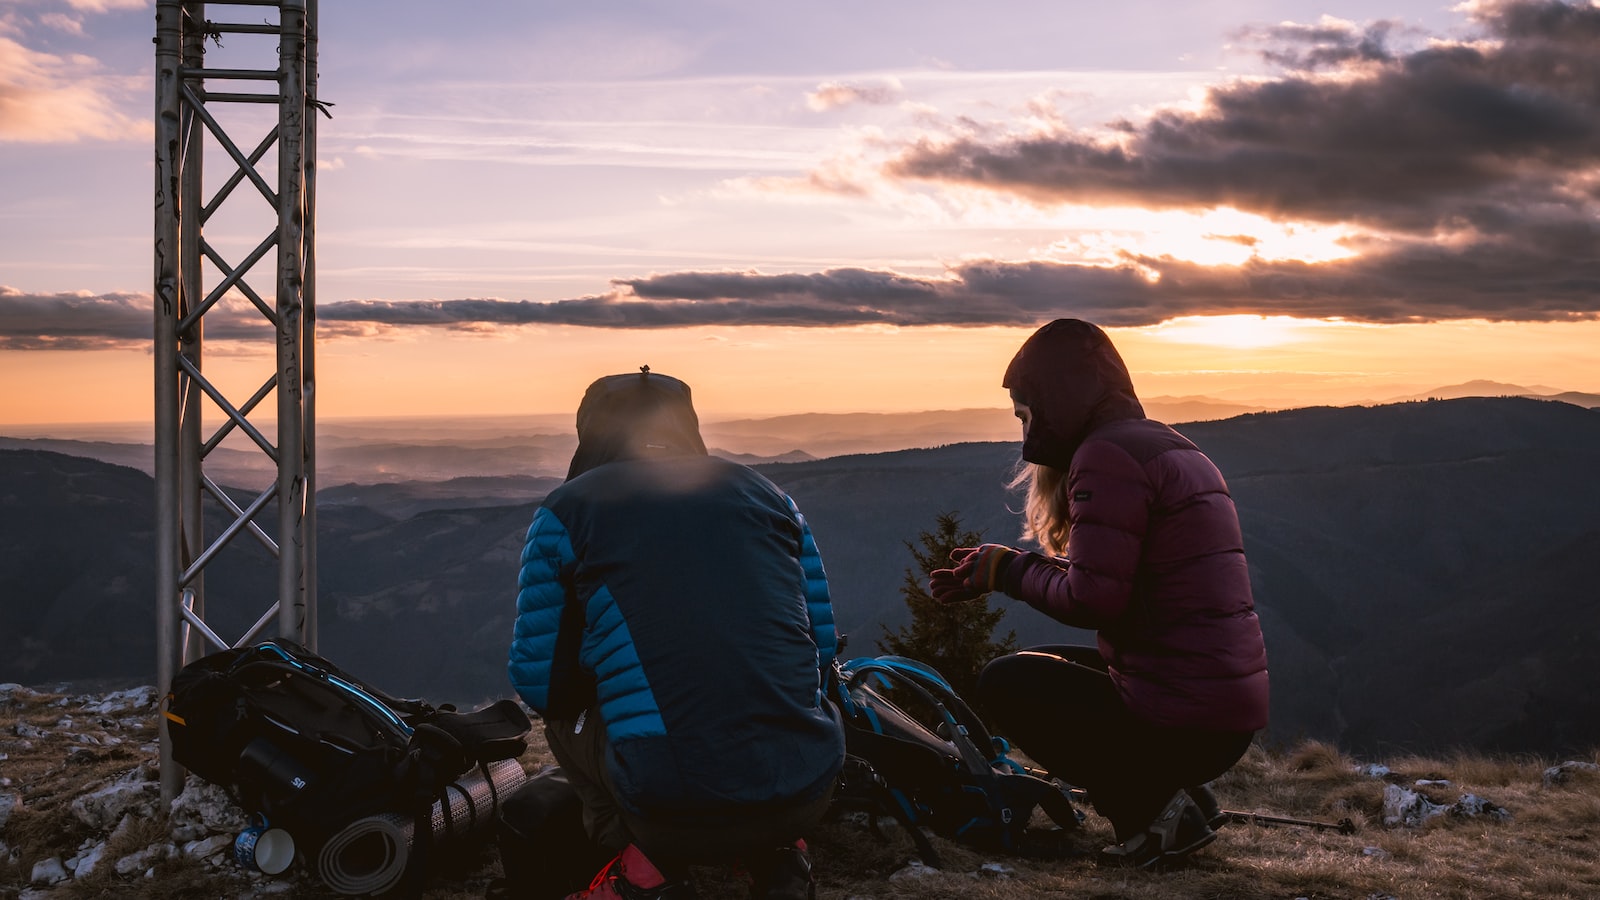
[(845, 206)]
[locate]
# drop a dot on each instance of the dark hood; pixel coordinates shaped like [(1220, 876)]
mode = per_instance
[(634, 416), (1072, 380)]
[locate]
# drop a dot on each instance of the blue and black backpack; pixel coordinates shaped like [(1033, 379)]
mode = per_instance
[(915, 751), (292, 736)]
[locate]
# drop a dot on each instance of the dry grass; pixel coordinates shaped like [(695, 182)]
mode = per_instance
[(1549, 849)]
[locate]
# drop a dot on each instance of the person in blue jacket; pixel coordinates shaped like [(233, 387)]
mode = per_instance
[(673, 630)]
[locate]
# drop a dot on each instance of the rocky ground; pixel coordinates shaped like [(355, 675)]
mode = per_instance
[(81, 816)]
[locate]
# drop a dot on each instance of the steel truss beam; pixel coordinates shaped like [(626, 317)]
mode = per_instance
[(190, 119)]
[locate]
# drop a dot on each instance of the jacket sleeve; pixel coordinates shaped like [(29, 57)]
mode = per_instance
[(543, 656), (1110, 497), (819, 605)]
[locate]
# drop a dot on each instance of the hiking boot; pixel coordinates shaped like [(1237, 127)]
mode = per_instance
[(632, 876), (783, 874), (1178, 830), (1210, 809)]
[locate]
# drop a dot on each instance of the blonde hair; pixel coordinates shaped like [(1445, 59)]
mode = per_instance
[(1044, 513)]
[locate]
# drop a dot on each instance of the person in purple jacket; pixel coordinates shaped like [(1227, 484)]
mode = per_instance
[(1140, 542)]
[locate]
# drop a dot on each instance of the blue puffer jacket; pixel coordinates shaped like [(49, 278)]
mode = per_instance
[(684, 597)]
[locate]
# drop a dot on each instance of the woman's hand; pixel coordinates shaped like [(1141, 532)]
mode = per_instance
[(978, 571)]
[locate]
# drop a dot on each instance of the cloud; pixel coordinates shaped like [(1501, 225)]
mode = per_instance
[(1482, 135), (120, 320), (834, 94), (1550, 274), (100, 6), (1543, 275), (63, 22), (48, 98), (72, 321)]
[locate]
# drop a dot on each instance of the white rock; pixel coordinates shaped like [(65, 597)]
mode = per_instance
[(1373, 770), (1403, 806), (1375, 852), (1561, 774), (8, 804), (144, 859), (1470, 806), (24, 730), (132, 794), (996, 870), (87, 861), (207, 847), (122, 701), (48, 871), (916, 868), (202, 809)]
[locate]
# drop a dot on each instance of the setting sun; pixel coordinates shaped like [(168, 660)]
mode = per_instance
[(1239, 332)]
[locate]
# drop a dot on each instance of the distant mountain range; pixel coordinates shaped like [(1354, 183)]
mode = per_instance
[(1481, 388), (1424, 570), (458, 452), (373, 452)]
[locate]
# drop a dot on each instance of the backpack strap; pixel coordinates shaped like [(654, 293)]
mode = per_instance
[(284, 652), (859, 778), (933, 690), (927, 678), (498, 731)]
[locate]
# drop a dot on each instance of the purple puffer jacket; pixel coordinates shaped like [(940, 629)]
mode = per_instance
[(1157, 560)]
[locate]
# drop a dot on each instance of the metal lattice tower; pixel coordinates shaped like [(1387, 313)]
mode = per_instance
[(260, 212)]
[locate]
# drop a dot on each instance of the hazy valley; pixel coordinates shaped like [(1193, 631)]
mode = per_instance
[(1423, 569)]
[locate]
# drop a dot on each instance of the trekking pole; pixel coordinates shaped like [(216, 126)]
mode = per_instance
[(1343, 826)]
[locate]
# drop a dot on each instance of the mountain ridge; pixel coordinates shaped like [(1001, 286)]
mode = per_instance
[(1380, 538)]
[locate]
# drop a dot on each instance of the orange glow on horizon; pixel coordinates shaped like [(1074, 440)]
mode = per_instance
[(1238, 332), (767, 371)]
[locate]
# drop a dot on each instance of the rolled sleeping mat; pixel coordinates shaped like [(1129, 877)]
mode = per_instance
[(369, 856)]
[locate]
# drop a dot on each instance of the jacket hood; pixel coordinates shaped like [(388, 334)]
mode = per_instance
[(1073, 381), (635, 416)]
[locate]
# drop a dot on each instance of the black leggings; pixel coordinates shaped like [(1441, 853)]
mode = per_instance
[(1058, 704)]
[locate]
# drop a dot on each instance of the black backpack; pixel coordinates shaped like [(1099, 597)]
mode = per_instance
[(290, 735), (915, 751)]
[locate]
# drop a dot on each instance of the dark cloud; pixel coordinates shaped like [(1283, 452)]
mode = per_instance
[(81, 321), (69, 321), (1450, 136), (1548, 273), (1310, 47)]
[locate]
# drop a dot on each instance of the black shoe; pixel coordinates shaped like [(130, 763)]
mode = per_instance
[(1209, 807), (1178, 830), (783, 874)]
